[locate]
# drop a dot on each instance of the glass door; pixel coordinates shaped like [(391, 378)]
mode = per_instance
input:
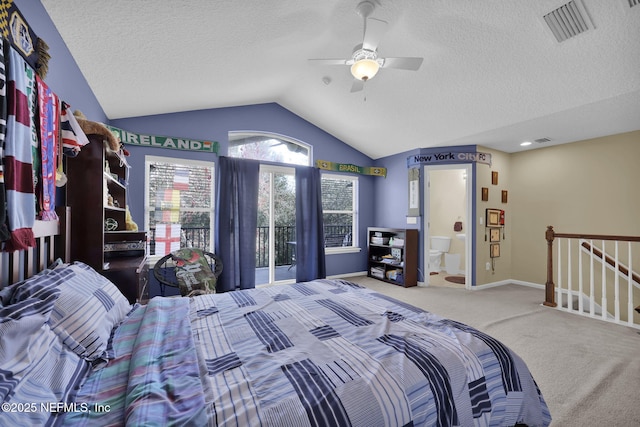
[(275, 237)]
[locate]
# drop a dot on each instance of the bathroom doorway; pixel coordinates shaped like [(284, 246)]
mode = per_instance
[(448, 213)]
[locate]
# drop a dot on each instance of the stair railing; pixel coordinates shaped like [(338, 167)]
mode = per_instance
[(605, 300)]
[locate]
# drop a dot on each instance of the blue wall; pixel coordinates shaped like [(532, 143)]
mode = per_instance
[(383, 201), (64, 77), (214, 125), (393, 194), (66, 80)]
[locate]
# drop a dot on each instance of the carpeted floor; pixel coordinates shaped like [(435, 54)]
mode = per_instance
[(588, 370)]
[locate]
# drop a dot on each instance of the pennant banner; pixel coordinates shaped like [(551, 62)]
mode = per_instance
[(448, 157), (344, 167), (164, 141)]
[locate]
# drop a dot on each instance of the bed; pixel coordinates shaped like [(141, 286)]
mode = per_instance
[(74, 352)]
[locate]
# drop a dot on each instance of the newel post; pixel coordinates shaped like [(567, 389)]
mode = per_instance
[(549, 287)]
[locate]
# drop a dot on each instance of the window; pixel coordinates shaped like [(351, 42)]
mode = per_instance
[(269, 147), (339, 192), (340, 215), (179, 204)]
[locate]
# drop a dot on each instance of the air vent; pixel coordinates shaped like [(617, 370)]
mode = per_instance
[(633, 3), (542, 140), (569, 20)]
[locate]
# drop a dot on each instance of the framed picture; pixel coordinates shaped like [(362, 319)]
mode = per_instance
[(494, 178), (494, 234), (485, 194), (495, 250), (504, 196), (493, 217)]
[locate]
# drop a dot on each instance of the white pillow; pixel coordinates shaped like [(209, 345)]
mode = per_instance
[(87, 310)]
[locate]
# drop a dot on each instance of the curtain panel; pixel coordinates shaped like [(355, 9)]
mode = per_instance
[(310, 259), (236, 222)]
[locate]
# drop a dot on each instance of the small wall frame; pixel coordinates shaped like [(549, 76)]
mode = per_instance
[(504, 196), (494, 178), (485, 194), (493, 217), (494, 250), (494, 234)]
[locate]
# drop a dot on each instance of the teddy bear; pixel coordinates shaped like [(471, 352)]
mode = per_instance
[(95, 128)]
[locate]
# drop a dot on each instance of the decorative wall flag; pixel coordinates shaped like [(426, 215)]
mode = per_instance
[(4, 229), (167, 238), (17, 161), (49, 109), (168, 205), (73, 137), (181, 179), (164, 141), (344, 167)]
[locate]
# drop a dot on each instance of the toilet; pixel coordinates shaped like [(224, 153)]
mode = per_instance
[(439, 246)]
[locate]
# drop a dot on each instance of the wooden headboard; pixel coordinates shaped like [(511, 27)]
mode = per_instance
[(52, 242)]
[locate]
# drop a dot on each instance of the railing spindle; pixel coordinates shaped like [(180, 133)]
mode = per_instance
[(620, 263), (630, 286), (580, 281), (592, 285), (616, 281), (603, 299)]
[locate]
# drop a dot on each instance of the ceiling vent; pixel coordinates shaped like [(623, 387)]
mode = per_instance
[(569, 20), (542, 140), (633, 2)]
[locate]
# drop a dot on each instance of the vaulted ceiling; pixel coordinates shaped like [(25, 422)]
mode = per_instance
[(493, 72)]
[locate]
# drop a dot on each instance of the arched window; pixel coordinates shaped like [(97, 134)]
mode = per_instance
[(269, 147)]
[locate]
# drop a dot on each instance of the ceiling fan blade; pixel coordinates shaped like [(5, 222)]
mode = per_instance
[(407, 63), (330, 61), (374, 29), (357, 86)]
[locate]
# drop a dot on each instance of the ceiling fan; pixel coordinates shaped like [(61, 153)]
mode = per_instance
[(365, 62)]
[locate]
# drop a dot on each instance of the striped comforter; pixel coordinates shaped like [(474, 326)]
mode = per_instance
[(320, 353)]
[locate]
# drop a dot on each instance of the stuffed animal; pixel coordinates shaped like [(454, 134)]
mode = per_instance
[(130, 225), (95, 128)]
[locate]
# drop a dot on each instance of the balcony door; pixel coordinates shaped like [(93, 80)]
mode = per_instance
[(276, 242)]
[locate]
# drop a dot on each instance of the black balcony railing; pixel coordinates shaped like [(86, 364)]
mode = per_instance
[(335, 236), (189, 238)]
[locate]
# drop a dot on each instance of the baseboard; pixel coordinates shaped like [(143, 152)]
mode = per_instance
[(342, 276), (508, 282), (477, 287)]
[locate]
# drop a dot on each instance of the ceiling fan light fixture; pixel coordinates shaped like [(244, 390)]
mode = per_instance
[(365, 69)]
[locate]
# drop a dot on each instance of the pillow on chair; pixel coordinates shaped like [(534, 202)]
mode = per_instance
[(193, 272)]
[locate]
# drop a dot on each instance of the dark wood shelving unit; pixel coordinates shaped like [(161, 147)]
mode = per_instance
[(393, 255), (96, 192)]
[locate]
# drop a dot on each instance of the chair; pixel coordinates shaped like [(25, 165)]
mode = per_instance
[(166, 267)]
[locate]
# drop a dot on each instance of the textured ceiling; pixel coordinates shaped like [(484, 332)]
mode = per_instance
[(493, 73)]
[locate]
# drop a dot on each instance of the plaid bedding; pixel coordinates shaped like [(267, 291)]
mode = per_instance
[(320, 353)]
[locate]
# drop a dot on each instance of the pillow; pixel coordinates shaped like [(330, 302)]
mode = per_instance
[(26, 288), (35, 367), (88, 308), (37, 286), (193, 272)]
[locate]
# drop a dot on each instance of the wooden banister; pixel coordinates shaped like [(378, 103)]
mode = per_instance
[(621, 268), (550, 235), (549, 286)]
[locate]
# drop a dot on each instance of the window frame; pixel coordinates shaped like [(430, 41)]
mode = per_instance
[(150, 159), (277, 136), (355, 247)]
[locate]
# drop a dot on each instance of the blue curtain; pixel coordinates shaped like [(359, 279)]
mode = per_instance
[(236, 222), (310, 261)]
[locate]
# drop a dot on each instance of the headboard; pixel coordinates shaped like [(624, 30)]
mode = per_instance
[(52, 242)]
